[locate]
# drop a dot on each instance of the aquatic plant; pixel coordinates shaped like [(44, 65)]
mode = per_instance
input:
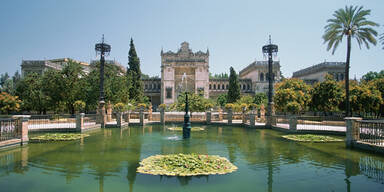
[(312, 138), (185, 165), (51, 137)]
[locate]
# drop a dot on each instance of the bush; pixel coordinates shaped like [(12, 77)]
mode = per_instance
[(229, 106), (119, 107), (79, 105), (9, 103)]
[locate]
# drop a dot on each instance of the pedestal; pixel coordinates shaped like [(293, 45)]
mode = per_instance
[(101, 117), (353, 131)]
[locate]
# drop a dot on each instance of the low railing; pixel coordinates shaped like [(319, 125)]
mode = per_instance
[(8, 129), (155, 116), (38, 122), (90, 119), (321, 123), (371, 132)]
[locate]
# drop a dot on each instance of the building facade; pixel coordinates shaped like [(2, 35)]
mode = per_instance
[(186, 70), (317, 73), (40, 66)]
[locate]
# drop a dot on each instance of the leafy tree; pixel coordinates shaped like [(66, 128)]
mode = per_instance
[(218, 76), (233, 88), (53, 88), (222, 99), (373, 75), (292, 95), (115, 86), (260, 98), (366, 100), (16, 77), (72, 84), (9, 86), (29, 90), (350, 22), (9, 103), (196, 102), (3, 78), (136, 90), (378, 84), (327, 95)]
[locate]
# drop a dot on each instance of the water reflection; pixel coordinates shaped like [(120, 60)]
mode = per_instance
[(116, 153)]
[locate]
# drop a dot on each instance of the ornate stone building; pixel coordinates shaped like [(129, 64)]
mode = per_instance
[(40, 66), (184, 71), (317, 73), (187, 70), (257, 72)]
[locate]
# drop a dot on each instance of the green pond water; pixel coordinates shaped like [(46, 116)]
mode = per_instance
[(107, 161)]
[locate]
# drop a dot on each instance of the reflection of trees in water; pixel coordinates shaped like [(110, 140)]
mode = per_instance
[(14, 161), (372, 168)]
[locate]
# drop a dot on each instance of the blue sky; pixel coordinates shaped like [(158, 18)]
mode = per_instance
[(234, 31)]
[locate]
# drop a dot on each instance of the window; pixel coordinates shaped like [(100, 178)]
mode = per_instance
[(214, 86), (227, 86), (261, 76), (168, 92), (223, 87), (146, 86), (210, 87), (249, 86)]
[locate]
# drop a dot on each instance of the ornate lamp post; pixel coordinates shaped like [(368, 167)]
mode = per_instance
[(270, 50), (102, 49), (187, 122)]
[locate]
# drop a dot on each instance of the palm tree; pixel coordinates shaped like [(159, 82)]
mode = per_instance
[(350, 22), (382, 39)]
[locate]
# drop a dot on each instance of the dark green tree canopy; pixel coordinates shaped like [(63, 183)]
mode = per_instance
[(134, 81), (372, 75), (234, 87)]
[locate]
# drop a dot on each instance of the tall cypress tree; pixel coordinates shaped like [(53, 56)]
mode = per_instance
[(136, 90), (234, 88)]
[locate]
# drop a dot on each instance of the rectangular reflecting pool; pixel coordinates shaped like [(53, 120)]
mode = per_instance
[(107, 161)]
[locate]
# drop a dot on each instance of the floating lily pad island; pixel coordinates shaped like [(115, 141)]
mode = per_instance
[(181, 129), (312, 138), (185, 165), (52, 137)]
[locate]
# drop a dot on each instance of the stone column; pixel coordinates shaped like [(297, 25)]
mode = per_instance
[(101, 117), (209, 117), (109, 112), (252, 119), (229, 116), (271, 121), (22, 127), (220, 114), (150, 113), (292, 123), (79, 122), (262, 113), (162, 116), (141, 115), (243, 117), (127, 116), (119, 119), (353, 130)]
